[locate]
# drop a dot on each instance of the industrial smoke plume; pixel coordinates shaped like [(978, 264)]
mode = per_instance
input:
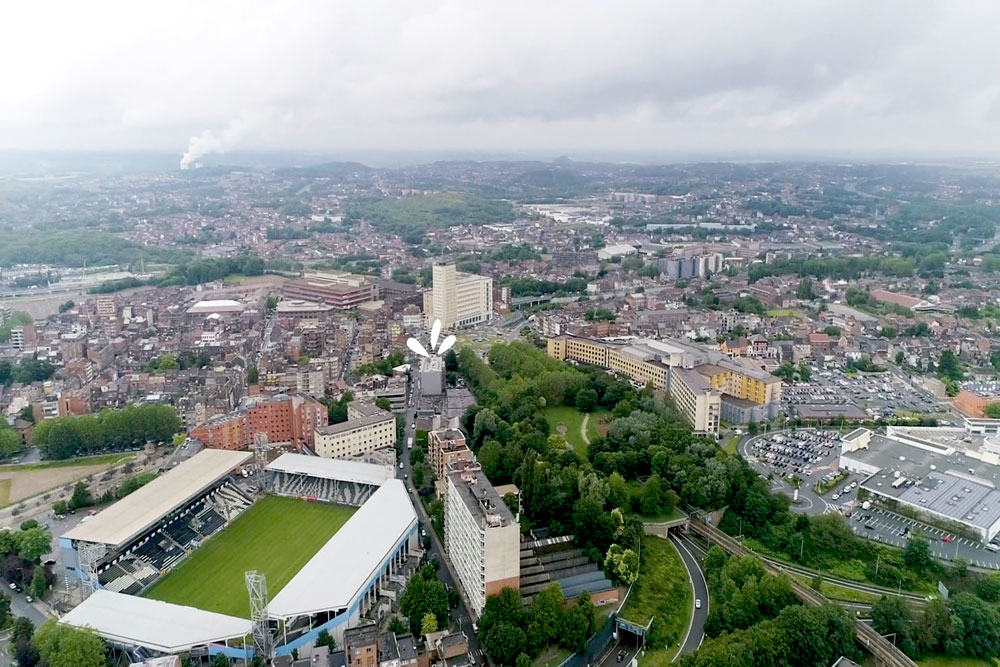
[(211, 141)]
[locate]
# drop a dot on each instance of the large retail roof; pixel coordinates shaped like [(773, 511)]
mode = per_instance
[(143, 508), (160, 626), (335, 575), (338, 469)]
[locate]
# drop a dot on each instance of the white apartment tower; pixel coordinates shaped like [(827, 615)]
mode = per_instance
[(481, 536), (458, 299)]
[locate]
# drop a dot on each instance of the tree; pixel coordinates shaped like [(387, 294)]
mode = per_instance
[(220, 660), (980, 625), (10, 442), (253, 375), (271, 303), (62, 645), (383, 403), (832, 331), (424, 594), (504, 642), (325, 639), (586, 400), (396, 626), (890, 615), (993, 410), (804, 373), (38, 584), (950, 367), (4, 610), (622, 564), (428, 624), (81, 496), (805, 289), (652, 499), (917, 555), (33, 543), (523, 660)]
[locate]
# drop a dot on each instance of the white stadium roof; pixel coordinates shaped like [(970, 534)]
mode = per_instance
[(160, 626), (216, 306), (141, 509), (343, 566), (338, 469)]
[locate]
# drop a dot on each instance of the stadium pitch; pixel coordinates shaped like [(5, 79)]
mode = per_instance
[(277, 536)]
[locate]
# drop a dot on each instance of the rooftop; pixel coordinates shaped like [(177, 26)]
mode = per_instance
[(338, 469), (216, 306), (354, 553), (140, 510), (351, 424), (480, 498), (161, 626)]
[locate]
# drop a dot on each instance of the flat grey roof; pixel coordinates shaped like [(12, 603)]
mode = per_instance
[(336, 574), (338, 469), (351, 424), (140, 510), (955, 497), (161, 626), (476, 491)]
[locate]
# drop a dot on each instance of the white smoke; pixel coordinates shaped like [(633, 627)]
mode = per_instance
[(211, 141)]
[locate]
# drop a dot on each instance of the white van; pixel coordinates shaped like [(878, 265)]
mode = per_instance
[(992, 547)]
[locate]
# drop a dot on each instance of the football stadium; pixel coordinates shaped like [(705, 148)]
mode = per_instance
[(166, 567)]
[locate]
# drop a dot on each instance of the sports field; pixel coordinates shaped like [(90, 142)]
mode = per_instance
[(277, 536)]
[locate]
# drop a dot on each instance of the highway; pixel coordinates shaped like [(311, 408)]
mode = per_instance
[(696, 629)]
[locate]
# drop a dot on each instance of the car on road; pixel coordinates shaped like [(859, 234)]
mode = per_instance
[(870, 526), (697, 603), (400, 465), (946, 538)]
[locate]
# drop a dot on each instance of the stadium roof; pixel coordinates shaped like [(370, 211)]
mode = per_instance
[(216, 306), (141, 509), (156, 625), (355, 553), (338, 469)]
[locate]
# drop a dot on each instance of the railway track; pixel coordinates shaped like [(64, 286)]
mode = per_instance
[(885, 653)]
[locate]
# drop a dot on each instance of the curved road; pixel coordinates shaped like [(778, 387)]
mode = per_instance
[(696, 630)]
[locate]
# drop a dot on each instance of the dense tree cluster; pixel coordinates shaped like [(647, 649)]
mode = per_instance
[(756, 620), (27, 371), (424, 595), (509, 630), (129, 427), (962, 625), (382, 366)]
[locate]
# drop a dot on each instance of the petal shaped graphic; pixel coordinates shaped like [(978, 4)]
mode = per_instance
[(415, 345), (446, 344), (435, 332)]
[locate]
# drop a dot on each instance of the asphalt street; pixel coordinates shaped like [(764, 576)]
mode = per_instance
[(696, 631)]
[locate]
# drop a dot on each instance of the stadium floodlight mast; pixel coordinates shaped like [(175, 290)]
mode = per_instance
[(257, 588), (417, 347), (89, 553), (260, 457)]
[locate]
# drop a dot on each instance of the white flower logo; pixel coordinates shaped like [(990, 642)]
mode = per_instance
[(418, 348)]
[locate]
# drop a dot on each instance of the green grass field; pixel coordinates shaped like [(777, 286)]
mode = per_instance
[(277, 536), (663, 591), (572, 419), (781, 312), (951, 661)]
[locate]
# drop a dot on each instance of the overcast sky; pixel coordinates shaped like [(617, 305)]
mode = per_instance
[(659, 76)]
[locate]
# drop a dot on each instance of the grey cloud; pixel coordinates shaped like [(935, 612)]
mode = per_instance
[(559, 75)]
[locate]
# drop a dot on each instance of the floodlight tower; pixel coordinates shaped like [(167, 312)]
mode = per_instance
[(89, 553), (260, 457), (257, 588)]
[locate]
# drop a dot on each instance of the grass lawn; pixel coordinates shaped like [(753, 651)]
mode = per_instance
[(951, 661), (567, 421), (781, 312), (663, 592), (277, 536), (730, 446), (570, 420), (551, 656), (838, 592), (4, 492), (104, 459)]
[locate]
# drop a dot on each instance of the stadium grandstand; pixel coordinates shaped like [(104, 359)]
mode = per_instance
[(152, 529), (329, 480), (375, 549)]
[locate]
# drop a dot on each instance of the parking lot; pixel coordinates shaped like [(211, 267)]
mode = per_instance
[(883, 526), (811, 455), (882, 395)]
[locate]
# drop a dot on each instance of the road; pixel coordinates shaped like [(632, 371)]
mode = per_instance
[(809, 501), (696, 630), (445, 574)]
